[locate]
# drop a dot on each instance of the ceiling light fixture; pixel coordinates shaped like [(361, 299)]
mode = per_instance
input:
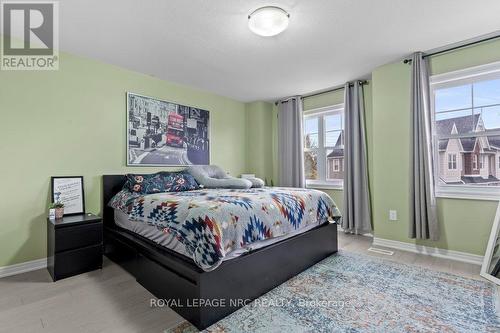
[(268, 21)]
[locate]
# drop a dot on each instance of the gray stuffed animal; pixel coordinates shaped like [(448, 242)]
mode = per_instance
[(212, 176)]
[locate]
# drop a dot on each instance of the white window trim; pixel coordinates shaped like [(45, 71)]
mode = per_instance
[(323, 183), (336, 165), (455, 78), (471, 192), (474, 162), (452, 160)]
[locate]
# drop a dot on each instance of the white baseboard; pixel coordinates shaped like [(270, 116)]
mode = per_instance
[(33, 265), (23, 267), (430, 251), (340, 229)]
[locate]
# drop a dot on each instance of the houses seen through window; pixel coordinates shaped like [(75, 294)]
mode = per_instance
[(467, 131), (324, 146)]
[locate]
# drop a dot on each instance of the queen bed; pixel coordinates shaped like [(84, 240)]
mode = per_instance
[(208, 252)]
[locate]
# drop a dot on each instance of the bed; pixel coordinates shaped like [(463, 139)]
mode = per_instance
[(232, 268)]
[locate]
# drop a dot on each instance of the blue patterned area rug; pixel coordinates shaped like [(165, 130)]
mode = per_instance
[(350, 292)]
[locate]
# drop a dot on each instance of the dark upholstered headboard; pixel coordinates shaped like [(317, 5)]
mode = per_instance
[(111, 184)]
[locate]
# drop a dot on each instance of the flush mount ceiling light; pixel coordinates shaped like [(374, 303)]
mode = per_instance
[(268, 21)]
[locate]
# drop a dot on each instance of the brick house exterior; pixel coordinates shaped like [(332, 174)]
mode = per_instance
[(473, 160)]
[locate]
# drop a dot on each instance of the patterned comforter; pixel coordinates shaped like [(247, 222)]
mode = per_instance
[(211, 223)]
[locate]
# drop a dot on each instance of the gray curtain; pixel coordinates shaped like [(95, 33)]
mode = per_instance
[(290, 147), (356, 217), (423, 212)]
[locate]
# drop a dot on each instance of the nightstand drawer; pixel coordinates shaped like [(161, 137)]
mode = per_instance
[(78, 236), (77, 261)]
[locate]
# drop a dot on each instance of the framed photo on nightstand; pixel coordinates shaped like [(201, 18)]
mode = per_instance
[(69, 191)]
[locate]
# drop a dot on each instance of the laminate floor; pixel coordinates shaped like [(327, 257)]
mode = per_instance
[(110, 300)]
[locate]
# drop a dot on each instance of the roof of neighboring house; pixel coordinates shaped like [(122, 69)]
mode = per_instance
[(465, 124), (494, 141), (468, 143), (338, 149), (443, 144), (337, 153)]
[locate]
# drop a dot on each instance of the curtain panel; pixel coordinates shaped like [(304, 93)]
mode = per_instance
[(357, 210), (290, 143), (423, 209)]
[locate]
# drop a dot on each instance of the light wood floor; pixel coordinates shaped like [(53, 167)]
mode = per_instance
[(110, 300)]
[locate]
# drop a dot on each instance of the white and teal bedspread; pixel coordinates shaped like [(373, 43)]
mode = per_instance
[(211, 223)]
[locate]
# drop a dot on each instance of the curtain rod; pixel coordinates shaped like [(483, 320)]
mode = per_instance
[(487, 39), (361, 82)]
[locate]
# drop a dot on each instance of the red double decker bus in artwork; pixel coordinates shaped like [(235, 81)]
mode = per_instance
[(175, 130)]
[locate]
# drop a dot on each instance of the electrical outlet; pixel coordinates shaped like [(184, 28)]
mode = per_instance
[(393, 215)]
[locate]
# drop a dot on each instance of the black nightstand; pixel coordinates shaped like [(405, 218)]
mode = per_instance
[(74, 245)]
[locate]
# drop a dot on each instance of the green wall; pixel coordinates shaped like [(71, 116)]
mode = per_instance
[(259, 140), (322, 100), (72, 122), (465, 224)]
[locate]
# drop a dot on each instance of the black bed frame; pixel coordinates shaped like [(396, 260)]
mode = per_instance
[(175, 278)]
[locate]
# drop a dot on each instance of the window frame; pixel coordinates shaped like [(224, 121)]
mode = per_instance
[(447, 80), (322, 182), (452, 161), (336, 165)]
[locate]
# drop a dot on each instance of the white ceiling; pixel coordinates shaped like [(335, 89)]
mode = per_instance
[(206, 43)]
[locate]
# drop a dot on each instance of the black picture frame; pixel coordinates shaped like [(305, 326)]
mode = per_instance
[(80, 204)]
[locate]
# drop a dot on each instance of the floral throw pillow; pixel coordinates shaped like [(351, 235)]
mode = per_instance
[(161, 182), (122, 199)]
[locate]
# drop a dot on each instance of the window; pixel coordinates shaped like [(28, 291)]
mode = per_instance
[(336, 165), (474, 162), (324, 146), (452, 161), (311, 146), (466, 130)]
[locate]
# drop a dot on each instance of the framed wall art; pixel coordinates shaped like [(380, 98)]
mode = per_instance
[(162, 133)]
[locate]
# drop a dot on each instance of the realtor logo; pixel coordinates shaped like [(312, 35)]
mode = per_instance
[(30, 35)]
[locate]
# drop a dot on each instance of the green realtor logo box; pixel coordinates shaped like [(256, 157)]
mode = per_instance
[(30, 35)]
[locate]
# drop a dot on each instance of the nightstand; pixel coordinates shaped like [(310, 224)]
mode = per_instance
[(74, 245)]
